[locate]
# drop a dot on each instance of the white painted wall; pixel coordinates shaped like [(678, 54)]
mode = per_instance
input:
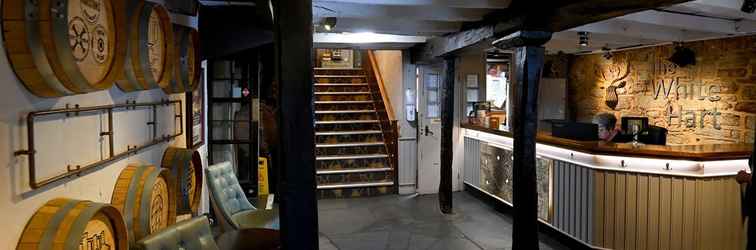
[(72, 140)]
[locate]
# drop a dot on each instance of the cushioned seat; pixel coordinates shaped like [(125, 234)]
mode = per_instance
[(192, 234), (230, 203)]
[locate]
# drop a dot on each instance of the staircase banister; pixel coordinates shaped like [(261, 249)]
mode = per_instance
[(379, 79)]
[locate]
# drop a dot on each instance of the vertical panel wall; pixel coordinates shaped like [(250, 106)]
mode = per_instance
[(573, 200), (407, 165), (472, 162), (643, 211)]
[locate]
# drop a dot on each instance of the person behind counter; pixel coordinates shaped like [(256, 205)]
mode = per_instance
[(607, 126)]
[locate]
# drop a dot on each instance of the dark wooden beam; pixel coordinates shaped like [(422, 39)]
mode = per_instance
[(298, 207), (553, 16), (529, 64), (447, 124)]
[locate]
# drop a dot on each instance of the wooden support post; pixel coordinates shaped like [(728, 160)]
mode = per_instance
[(298, 207), (447, 124), (529, 57)]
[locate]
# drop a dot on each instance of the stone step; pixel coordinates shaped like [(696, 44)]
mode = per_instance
[(324, 112), (353, 171), (357, 185), (350, 157), (357, 132), (339, 76), (349, 144), (321, 68), (340, 84), (343, 102), (345, 122), (344, 93)]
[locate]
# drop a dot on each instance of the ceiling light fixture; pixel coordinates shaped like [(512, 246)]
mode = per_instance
[(583, 38), (749, 6), (607, 52), (329, 23)]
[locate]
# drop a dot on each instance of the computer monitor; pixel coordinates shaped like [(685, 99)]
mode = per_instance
[(580, 131)]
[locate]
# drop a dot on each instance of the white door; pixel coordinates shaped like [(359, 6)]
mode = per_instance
[(429, 128)]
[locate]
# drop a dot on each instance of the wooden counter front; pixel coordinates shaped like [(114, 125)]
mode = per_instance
[(710, 152)]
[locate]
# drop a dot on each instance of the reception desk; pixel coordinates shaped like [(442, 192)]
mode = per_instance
[(621, 196)]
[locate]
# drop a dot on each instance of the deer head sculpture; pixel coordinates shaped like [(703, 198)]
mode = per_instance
[(615, 75)]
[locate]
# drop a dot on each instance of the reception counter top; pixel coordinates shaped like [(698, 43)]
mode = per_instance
[(709, 152), (683, 161)]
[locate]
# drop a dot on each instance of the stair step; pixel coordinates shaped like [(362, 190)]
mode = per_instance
[(342, 102), (344, 93), (323, 112), (321, 68), (346, 122), (358, 132), (339, 76), (349, 144), (350, 157), (353, 171), (340, 84), (357, 185)]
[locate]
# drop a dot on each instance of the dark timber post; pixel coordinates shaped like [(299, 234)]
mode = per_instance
[(298, 208), (447, 124), (529, 57)]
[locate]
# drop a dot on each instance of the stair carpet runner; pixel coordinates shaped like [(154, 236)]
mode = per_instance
[(351, 156)]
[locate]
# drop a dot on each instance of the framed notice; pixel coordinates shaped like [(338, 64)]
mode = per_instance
[(195, 110)]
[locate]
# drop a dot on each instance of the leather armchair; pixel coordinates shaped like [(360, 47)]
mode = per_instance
[(230, 204), (192, 234)]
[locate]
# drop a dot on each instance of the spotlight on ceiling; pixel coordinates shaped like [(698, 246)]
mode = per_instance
[(583, 38), (329, 23), (749, 6), (683, 56)]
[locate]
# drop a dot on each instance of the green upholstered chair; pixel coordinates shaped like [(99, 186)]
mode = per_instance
[(192, 234), (231, 206)]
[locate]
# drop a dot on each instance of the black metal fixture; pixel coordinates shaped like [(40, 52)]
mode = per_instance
[(749, 6), (607, 52), (583, 38), (683, 56), (329, 23)]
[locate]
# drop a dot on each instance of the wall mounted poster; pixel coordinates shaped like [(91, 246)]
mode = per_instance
[(195, 108)]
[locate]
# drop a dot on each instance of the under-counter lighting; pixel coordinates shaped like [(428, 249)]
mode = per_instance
[(365, 37)]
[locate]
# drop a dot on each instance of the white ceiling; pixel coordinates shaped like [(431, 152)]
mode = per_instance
[(695, 20)]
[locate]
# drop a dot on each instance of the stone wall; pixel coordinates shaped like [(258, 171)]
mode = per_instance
[(713, 101)]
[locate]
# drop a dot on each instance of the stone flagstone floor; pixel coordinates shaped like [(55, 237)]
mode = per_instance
[(414, 222)]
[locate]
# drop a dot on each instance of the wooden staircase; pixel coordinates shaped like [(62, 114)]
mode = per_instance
[(355, 138)]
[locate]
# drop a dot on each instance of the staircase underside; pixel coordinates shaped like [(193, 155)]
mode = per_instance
[(351, 155)]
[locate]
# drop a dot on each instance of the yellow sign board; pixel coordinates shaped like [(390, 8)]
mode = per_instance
[(262, 176)]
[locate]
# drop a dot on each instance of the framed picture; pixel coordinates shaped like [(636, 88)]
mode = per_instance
[(195, 110)]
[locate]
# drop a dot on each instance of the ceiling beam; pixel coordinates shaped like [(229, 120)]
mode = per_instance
[(535, 15), (661, 33), (396, 26), (411, 12), (692, 22), (717, 8), (473, 4)]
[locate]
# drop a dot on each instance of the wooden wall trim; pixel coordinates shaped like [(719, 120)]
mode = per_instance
[(379, 80)]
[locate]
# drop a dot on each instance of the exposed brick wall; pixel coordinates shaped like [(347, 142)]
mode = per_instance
[(713, 101)]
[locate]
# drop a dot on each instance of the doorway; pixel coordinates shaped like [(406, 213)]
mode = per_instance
[(429, 81)]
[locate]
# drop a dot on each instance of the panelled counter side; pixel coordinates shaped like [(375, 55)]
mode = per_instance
[(620, 196)]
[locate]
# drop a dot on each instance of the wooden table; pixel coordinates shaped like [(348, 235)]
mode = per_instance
[(250, 239)]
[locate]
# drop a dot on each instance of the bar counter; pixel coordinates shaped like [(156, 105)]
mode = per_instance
[(621, 196)]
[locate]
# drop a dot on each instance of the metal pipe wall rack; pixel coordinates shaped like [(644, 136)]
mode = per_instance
[(78, 170)]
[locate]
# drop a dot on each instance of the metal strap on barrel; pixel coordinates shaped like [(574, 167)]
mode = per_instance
[(144, 56), (129, 204), (61, 38), (80, 224), (144, 210), (179, 172), (31, 17), (48, 236)]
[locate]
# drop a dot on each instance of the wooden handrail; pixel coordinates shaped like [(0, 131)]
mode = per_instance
[(379, 79)]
